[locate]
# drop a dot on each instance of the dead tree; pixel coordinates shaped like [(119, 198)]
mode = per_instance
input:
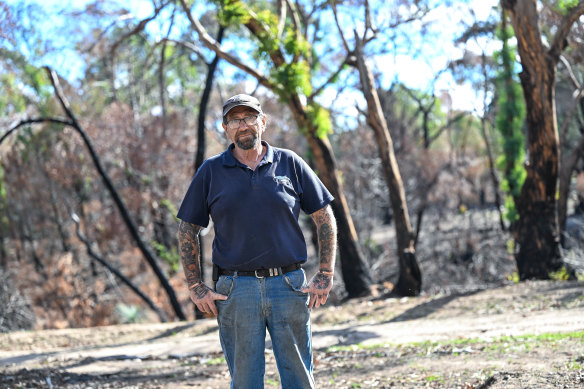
[(73, 122)]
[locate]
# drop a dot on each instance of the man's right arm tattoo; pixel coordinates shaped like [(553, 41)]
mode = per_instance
[(190, 254)]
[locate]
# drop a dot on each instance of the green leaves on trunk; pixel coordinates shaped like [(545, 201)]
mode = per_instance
[(509, 122)]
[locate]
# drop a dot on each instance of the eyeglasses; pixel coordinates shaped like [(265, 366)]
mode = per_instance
[(233, 124)]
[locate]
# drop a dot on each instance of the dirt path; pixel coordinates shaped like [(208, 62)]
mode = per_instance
[(527, 335)]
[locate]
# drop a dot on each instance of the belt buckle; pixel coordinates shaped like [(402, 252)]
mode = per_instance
[(256, 274)]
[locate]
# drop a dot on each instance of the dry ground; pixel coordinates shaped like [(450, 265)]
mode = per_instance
[(527, 335)]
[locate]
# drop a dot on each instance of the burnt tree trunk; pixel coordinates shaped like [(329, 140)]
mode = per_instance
[(537, 228), (410, 277), (354, 269)]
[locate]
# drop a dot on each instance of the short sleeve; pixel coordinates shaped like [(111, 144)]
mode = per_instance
[(194, 208), (314, 195)]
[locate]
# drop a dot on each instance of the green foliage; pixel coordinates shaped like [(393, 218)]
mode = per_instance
[(560, 275), (128, 313), (435, 378), (293, 78), (170, 256), (232, 13), (564, 6), (373, 247), (22, 84), (295, 44), (320, 119), (166, 203), (513, 277), (510, 213), (509, 122), (216, 361), (11, 101)]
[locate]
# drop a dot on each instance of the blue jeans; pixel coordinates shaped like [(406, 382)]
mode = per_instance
[(254, 304)]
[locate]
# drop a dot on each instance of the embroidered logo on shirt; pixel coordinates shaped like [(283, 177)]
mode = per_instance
[(284, 181)]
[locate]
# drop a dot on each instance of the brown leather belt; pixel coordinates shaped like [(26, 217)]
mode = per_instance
[(261, 273)]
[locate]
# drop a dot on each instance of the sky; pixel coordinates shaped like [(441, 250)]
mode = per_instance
[(415, 72)]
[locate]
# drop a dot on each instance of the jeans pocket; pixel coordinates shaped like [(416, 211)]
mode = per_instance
[(224, 285), (296, 280)]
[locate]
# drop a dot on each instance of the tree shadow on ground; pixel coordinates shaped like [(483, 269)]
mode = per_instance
[(427, 308)]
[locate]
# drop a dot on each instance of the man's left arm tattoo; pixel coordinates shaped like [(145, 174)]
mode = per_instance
[(326, 227)]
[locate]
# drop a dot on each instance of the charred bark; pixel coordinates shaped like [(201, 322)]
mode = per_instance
[(537, 228), (410, 277), (354, 268)]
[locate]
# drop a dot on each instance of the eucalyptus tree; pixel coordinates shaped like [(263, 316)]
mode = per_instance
[(537, 229), (410, 278)]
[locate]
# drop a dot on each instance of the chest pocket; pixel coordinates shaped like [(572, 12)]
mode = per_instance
[(284, 181), (283, 190)]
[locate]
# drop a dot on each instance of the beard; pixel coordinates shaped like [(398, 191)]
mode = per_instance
[(249, 142)]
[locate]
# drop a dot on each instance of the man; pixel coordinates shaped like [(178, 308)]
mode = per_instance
[(254, 193)]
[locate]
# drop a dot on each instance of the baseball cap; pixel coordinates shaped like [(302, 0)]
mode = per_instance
[(241, 100)]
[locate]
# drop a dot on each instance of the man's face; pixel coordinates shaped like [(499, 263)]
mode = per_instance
[(245, 136)]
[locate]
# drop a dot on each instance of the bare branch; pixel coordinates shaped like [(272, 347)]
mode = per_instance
[(330, 79), (559, 42), (136, 29), (212, 44), (345, 44), (368, 24), (573, 78), (449, 122), (282, 20), (105, 30), (296, 23), (33, 121), (61, 96), (187, 45)]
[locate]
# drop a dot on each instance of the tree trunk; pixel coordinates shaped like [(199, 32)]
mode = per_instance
[(537, 228), (355, 271), (410, 277)]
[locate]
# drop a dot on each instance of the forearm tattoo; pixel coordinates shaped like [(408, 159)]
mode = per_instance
[(190, 254), (327, 237)]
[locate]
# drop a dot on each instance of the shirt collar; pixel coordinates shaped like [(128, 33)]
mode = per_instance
[(229, 159)]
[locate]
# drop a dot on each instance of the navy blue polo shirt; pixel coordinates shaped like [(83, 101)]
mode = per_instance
[(255, 213)]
